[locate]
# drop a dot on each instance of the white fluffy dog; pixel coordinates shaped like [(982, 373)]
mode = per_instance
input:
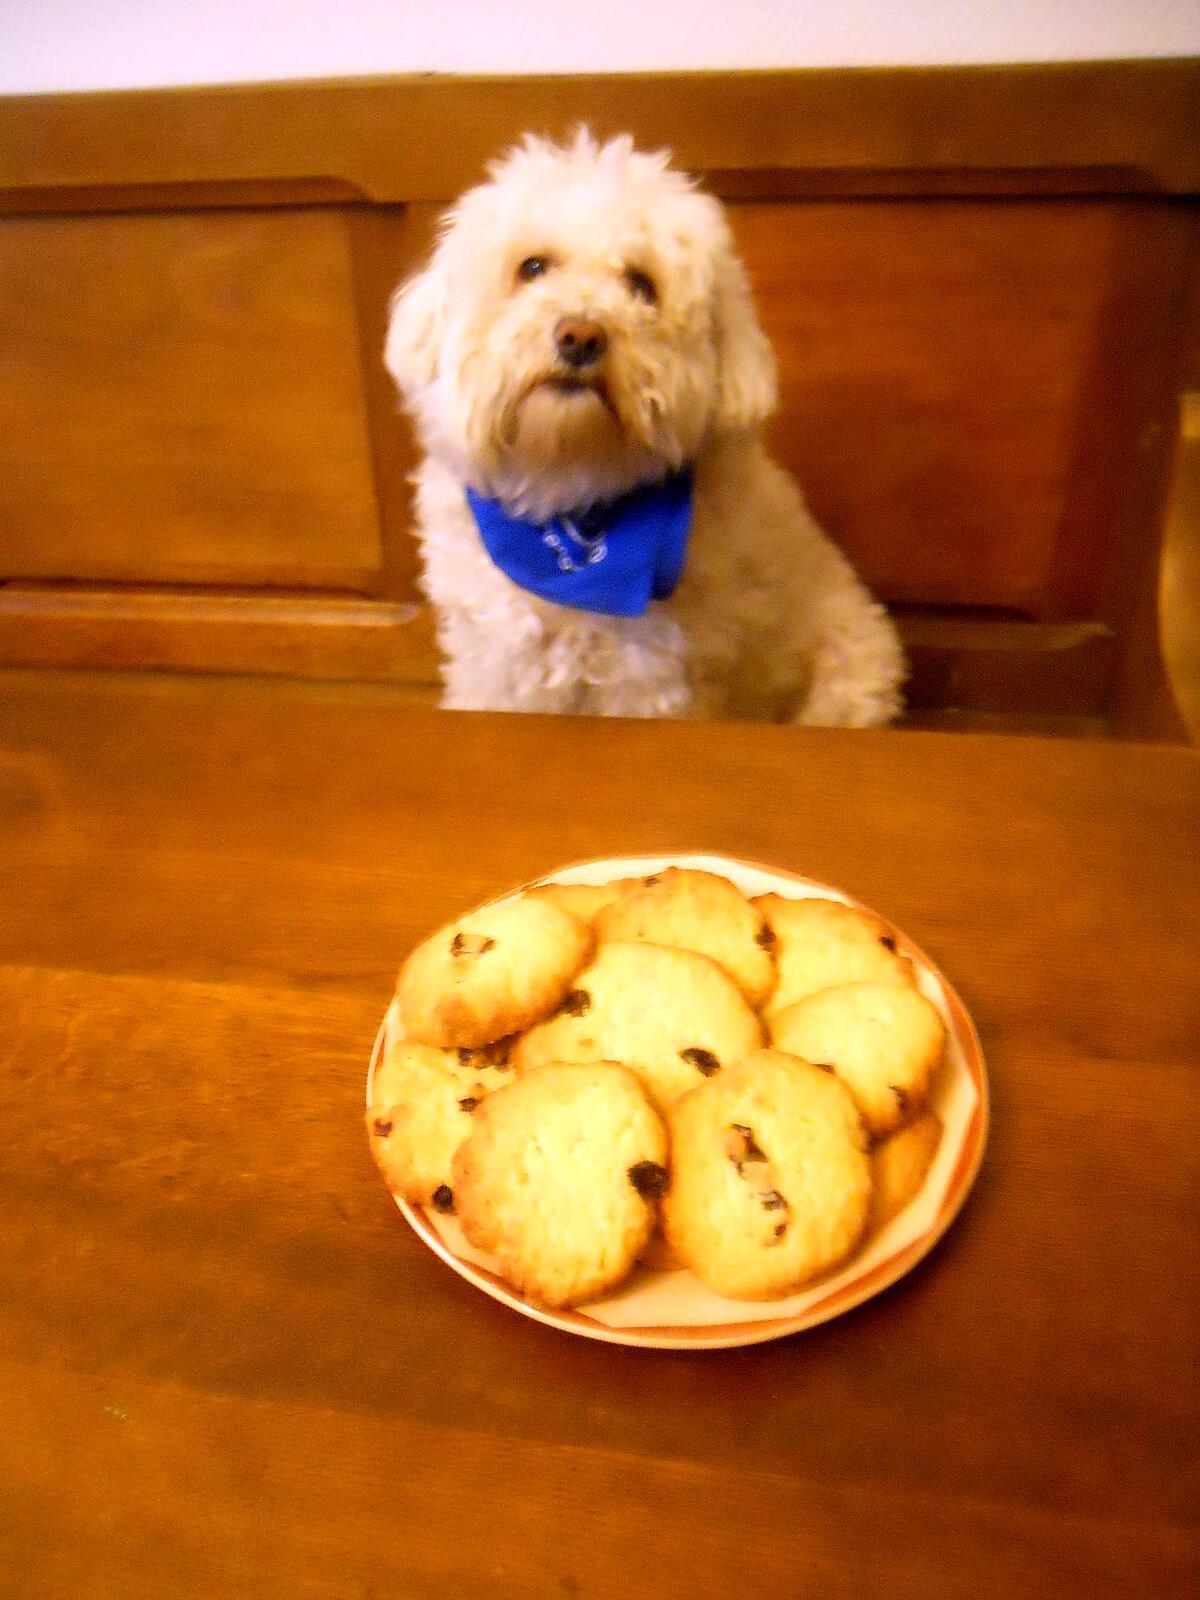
[(601, 529)]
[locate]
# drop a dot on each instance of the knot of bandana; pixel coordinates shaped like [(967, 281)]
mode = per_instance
[(612, 558)]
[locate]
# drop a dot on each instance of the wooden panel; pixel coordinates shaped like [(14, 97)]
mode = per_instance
[(282, 635), (955, 399), (180, 399), (1181, 572), (1033, 669), (1041, 672), (386, 243), (1130, 124)]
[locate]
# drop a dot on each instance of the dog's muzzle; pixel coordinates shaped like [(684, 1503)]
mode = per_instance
[(580, 343)]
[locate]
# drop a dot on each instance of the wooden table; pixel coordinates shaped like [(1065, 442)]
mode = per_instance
[(227, 1368)]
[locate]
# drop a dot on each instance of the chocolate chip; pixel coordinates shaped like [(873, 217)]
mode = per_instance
[(765, 936), (575, 1003), (742, 1147), (703, 1060), (470, 944), (902, 1100), (655, 877), (468, 1102), (487, 1055), (649, 1179), (382, 1127), (823, 1066), (772, 1200), (887, 941), (780, 1230), (443, 1198)]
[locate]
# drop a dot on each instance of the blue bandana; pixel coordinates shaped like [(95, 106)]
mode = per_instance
[(614, 558)]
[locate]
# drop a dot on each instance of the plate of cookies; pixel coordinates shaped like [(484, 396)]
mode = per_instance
[(685, 1102)]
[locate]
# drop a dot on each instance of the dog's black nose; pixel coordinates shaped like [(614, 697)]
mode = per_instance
[(580, 343)]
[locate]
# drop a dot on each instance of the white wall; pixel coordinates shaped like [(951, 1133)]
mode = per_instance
[(48, 45)]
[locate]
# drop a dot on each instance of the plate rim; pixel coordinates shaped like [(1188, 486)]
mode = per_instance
[(733, 1335)]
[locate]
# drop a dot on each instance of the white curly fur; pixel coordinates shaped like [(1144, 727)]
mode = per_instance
[(768, 620)]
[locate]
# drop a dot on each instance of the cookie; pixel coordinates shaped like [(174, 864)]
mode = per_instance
[(491, 973), (770, 1177), (582, 900), (697, 911), (422, 1103), (822, 942), (560, 1178), (900, 1164), (883, 1041), (673, 1016)]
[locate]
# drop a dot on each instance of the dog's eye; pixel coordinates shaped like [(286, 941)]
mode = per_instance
[(533, 267), (641, 285)]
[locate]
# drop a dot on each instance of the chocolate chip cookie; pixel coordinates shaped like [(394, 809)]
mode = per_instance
[(673, 1016), (423, 1100), (559, 1179), (699, 911), (884, 1042), (491, 973), (770, 1177), (820, 942), (901, 1164)]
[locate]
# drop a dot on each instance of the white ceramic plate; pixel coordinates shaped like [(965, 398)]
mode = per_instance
[(664, 1307)]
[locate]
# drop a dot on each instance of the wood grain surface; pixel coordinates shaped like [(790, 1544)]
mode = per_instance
[(1120, 127), (227, 1368), (969, 387)]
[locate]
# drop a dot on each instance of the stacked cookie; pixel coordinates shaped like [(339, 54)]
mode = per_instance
[(584, 1063)]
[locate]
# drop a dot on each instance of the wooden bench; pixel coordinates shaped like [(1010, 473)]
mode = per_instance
[(977, 281)]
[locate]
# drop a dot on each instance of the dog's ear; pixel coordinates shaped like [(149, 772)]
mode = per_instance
[(747, 388), (415, 327)]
